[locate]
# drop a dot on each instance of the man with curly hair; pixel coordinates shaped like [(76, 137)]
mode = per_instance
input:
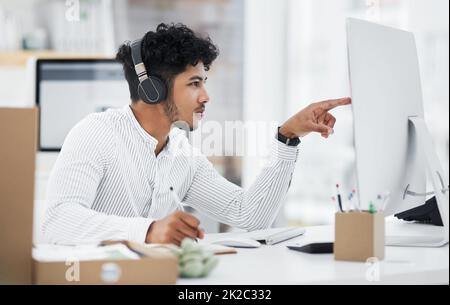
[(119, 172)]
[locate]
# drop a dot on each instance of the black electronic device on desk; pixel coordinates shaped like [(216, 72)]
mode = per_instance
[(313, 248), (426, 213)]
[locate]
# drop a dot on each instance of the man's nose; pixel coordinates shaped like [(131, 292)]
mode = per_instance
[(204, 98)]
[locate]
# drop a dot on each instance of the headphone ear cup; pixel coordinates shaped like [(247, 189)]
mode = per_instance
[(152, 90)]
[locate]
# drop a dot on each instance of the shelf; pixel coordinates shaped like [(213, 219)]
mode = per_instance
[(20, 58)]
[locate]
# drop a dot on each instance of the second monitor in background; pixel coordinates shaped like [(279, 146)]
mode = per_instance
[(69, 89)]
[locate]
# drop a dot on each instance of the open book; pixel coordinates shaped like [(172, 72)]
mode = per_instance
[(151, 250)]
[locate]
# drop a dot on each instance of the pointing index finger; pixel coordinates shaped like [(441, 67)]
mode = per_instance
[(330, 104)]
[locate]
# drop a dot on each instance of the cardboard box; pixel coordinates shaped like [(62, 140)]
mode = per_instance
[(359, 236), (18, 134), (162, 270), (18, 144)]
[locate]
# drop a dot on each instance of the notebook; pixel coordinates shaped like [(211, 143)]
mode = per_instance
[(148, 249)]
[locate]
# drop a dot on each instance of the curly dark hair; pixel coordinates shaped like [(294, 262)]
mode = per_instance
[(166, 53)]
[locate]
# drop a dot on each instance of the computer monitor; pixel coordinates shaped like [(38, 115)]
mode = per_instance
[(392, 156), (69, 89)]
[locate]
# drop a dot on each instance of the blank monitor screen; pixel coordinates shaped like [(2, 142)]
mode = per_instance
[(68, 90)]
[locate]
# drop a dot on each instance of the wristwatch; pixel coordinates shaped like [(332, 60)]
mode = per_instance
[(286, 140)]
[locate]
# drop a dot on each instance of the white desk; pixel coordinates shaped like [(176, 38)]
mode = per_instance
[(279, 265)]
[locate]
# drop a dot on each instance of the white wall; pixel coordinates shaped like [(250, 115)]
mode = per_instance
[(264, 74)]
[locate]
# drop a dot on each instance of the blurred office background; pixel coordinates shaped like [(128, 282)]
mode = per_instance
[(277, 56)]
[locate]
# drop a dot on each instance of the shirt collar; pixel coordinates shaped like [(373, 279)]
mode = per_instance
[(153, 142)]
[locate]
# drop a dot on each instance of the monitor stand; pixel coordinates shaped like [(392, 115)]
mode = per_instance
[(436, 173)]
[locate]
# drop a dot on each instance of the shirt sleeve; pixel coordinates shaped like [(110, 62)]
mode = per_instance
[(252, 209), (72, 189)]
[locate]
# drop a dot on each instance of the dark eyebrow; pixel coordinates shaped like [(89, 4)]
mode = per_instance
[(198, 78)]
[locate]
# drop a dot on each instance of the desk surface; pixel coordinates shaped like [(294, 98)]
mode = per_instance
[(279, 265)]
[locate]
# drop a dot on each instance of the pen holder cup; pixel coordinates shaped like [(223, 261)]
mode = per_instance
[(359, 236)]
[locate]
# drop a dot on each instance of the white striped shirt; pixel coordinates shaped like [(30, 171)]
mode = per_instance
[(107, 183)]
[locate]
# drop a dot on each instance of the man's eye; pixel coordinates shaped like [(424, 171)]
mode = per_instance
[(195, 84)]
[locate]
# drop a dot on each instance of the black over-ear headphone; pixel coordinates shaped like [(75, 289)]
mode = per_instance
[(152, 90)]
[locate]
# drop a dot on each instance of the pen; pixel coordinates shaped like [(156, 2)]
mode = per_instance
[(350, 196), (176, 199), (339, 199), (352, 203), (379, 199), (385, 200), (337, 205), (180, 204)]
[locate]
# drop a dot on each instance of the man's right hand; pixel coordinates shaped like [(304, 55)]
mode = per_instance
[(174, 228)]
